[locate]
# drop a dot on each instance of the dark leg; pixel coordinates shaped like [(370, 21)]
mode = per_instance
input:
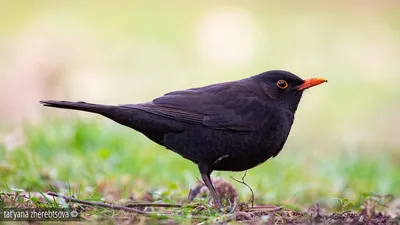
[(205, 175)]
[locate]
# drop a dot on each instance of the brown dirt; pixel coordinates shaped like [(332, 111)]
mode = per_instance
[(242, 213)]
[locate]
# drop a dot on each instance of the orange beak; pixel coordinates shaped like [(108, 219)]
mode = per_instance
[(310, 83)]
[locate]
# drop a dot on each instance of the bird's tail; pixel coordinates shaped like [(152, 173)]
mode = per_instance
[(104, 110)]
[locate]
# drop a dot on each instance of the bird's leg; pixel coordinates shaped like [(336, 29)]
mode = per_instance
[(214, 195), (205, 175)]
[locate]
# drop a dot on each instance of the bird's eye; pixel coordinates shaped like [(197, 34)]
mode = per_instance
[(282, 84)]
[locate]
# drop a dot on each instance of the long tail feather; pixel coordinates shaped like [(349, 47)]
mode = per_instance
[(82, 106)]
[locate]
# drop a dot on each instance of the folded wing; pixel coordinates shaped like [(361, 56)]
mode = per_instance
[(226, 106)]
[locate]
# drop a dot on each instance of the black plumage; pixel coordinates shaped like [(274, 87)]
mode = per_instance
[(231, 126)]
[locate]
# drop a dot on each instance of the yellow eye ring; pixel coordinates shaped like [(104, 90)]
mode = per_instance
[(282, 84)]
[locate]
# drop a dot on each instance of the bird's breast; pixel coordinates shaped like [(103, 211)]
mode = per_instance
[(231, 150)]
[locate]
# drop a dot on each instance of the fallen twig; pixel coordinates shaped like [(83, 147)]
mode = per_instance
[(164, 205), (243, 182), (104, 205), (129, 209), (265, 208)]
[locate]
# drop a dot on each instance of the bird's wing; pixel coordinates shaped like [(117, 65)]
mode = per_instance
[(228, 106)]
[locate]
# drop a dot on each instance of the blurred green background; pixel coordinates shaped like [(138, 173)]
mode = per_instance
[(345, 139)]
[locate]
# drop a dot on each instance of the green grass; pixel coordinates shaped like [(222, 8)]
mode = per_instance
[(87, 158)]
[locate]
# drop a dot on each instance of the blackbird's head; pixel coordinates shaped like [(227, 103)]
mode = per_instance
[(285, 87)]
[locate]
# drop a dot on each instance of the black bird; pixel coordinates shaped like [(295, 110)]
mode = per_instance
[(231, 126)]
